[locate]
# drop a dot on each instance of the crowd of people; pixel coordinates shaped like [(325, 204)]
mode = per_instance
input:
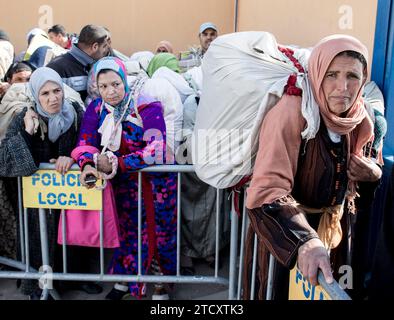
[(77, 100), (93, 106)]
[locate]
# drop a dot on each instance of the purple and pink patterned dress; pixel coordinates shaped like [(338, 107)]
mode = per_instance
[(159, 192)]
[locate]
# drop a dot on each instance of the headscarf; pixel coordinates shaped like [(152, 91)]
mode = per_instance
[(60, 122), (164, 59), (321, 57), (111, 133), (6, 57), (4, 35), (357, 126), (116, 65), (143, 58), (165, 44)]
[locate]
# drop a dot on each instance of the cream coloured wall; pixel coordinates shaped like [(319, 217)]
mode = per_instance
[(134, 24), (305, 22), (140, 24)]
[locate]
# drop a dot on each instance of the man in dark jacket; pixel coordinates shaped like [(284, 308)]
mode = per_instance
[(73, 67)]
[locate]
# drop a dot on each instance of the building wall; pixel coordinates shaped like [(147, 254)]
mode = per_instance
[(305, 22), (140, 24), (134, 24)]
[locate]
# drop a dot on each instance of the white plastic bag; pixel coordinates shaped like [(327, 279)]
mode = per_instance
[(244, 75)]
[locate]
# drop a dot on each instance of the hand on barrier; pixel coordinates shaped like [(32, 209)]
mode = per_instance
[(103, 164), (312, 256), (87, 177), (107, 165), (62, 164)]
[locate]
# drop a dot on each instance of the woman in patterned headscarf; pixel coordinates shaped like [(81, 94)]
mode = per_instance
[(135, 133), (298, 191)]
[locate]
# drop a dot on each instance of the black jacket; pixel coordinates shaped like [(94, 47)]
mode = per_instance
[(73, 72)]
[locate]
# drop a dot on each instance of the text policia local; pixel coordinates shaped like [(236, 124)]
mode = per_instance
[(56, 181)]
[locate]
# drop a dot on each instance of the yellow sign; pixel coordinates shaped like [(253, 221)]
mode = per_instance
[(50, 190), (301, 289)]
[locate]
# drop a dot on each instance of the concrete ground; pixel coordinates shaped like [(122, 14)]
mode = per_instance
[(9, 290)]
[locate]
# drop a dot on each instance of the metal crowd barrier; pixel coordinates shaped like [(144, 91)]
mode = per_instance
[(28, 273), (233, 282), (333, 291)]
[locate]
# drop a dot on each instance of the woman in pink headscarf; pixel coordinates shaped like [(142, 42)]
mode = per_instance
[(298, 191), (164, 46)]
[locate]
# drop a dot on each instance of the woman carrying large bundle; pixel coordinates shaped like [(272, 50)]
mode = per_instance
[(298, 192)]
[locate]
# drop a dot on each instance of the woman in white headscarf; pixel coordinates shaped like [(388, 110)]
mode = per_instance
[(6, 58), (46, 133)]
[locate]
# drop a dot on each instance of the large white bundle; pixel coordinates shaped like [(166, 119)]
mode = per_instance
[(6, 57), (162, 90), (177, 80), (244, 75), (195, 74)]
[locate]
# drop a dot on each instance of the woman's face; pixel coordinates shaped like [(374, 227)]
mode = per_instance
[(343, 80), (111, 88), (20, 77), (51, 97), (161, 49)]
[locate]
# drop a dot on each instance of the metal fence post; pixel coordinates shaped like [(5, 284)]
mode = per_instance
[(27, 248), (271, 271), (233, 251), (20, 209), (102, 235), (244, 228), (64, 246), (254, 267), (139, 222), (44, 247), (179, 221), (217, 233)]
